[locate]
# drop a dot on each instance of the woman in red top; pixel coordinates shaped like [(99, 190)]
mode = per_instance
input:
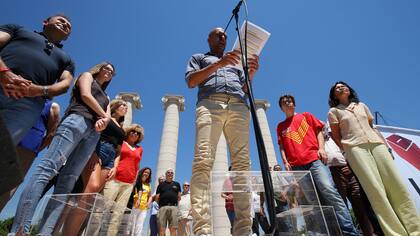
[(127, 165)]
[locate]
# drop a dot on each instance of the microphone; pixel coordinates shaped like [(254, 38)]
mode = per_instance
[(235, 12), (236, 9)]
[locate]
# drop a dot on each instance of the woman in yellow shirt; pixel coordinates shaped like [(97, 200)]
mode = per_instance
[(142, 199)]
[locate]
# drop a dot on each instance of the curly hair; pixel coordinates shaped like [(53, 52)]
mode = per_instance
[(135, 127)]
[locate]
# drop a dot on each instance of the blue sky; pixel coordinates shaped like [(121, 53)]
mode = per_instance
[(372, 45)]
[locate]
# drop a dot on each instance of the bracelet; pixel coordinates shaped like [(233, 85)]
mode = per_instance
[(4, 69)]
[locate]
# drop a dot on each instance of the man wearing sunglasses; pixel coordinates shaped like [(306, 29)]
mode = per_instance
[(185, 218), (168, 194)]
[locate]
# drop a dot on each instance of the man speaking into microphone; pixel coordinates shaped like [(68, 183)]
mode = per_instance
[(221, 107)]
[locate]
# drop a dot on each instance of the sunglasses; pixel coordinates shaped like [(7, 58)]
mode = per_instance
[(286, 101), (48, 47), (108, 69), (134, 133), (186, 185)]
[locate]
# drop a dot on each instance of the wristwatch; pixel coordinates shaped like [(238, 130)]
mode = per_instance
[(45, 92)]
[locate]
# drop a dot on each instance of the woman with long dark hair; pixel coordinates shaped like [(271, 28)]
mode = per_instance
[(72, 145), (367, 154), (142, 198)]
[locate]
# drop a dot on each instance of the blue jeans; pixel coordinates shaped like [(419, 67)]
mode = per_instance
[(19, 115), (107, 153), (154, 229), (72, 145), (231, 216), (329, 195)]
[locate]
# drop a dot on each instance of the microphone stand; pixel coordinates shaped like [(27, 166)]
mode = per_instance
[(262, 154)]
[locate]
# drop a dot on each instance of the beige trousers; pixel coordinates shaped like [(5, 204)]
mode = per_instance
[(120, 193), (375, 169), (220, 113)]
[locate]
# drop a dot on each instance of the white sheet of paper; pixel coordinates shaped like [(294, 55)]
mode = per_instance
[(257, 37)]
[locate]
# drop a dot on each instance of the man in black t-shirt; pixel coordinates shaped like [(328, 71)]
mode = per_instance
[(168, 194), (33, 67)]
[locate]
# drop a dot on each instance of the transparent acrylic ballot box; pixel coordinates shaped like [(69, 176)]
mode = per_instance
[(298, 209), (97, 215)]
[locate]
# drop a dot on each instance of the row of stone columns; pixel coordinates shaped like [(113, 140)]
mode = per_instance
[(172, 105)]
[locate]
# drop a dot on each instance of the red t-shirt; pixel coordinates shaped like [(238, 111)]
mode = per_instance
[(129, 163), (297, 136)]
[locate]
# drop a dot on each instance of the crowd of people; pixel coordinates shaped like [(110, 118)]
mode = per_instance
[(89, 150)]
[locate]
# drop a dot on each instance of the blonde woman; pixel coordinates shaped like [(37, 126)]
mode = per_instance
[(367, 154), (73, 144), (101, 165), (127, 166)]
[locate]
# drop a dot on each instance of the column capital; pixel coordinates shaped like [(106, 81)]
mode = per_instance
[(261, 103), (174, 99), (133, 98)]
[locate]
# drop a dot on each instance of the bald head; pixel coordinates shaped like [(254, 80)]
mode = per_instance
[(217, 41), (216, 30)]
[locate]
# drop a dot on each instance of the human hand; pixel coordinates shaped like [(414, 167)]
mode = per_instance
[(111, 173), (230, 58), (262, 211), (137, 204), (287, 166), (322, 155), (253, 65), (14, 85), (101, 124), (34, 91)]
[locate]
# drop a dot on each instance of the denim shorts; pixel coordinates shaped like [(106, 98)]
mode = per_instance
[(106, 152)]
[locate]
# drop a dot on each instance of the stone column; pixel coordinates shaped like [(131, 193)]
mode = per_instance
[(172, 104), (132, 99), (261, 106), (221, 224)]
